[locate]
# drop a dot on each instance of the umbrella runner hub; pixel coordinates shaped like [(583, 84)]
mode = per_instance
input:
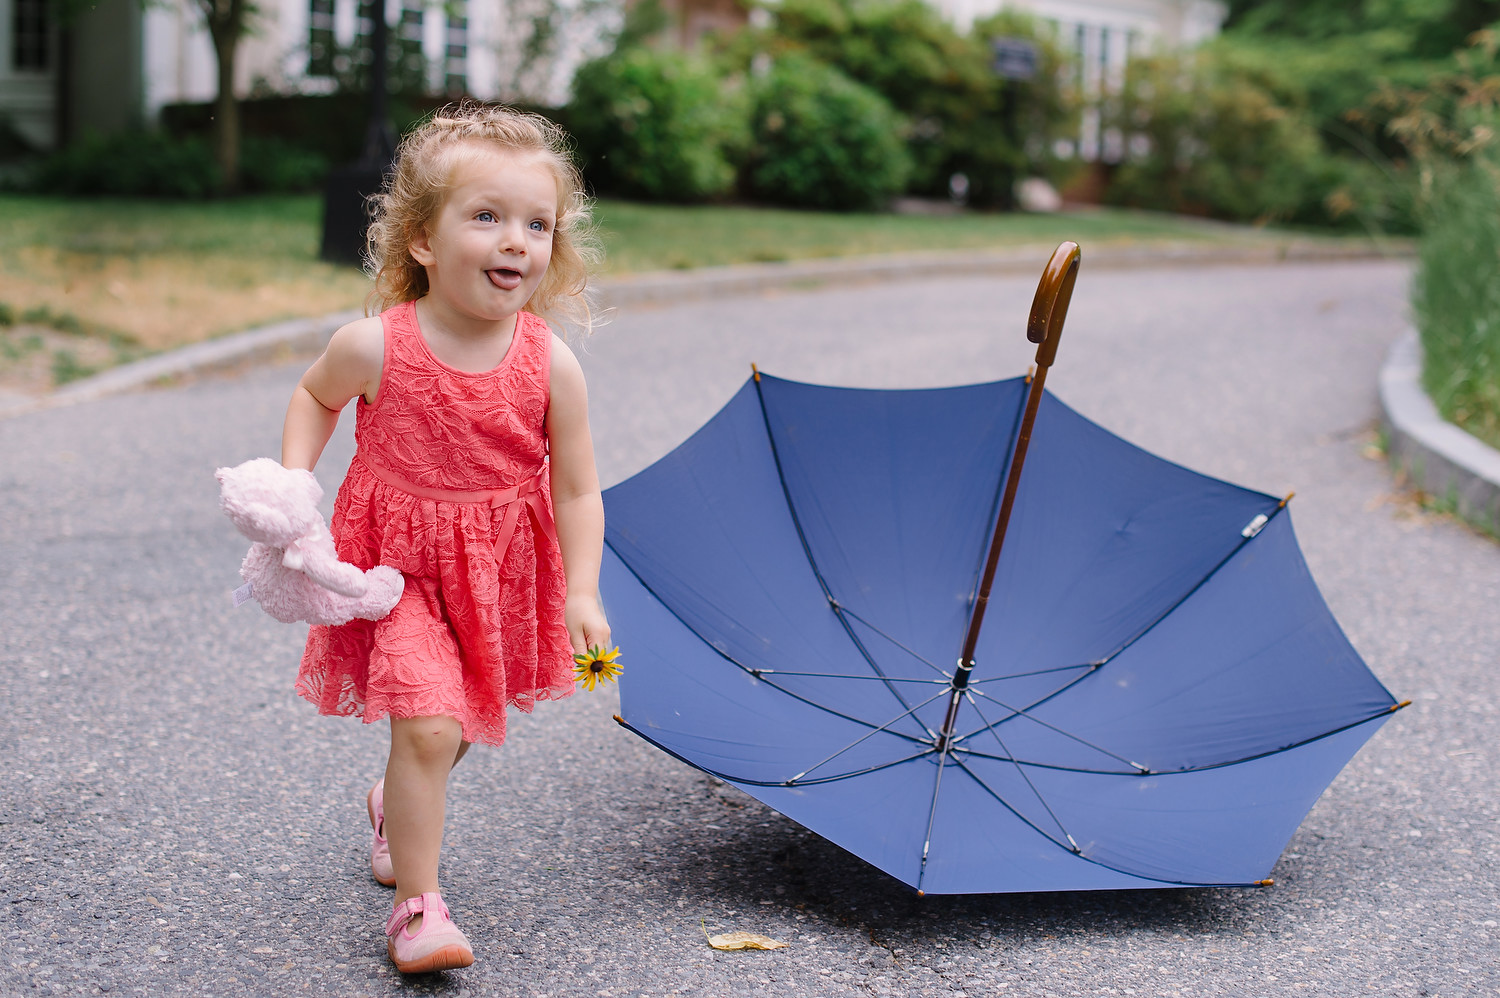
[(956, 690)]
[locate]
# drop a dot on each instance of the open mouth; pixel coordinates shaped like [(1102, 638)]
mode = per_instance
[(505, 278)]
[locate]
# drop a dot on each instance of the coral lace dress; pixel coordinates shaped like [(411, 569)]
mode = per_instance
[(449, 484)]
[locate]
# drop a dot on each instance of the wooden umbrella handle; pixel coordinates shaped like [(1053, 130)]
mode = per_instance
[(1049, 308)]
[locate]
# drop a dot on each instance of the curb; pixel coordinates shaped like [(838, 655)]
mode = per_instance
[(713, 282), (1442, 460)]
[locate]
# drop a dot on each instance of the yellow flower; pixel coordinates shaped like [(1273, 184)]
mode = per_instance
[(595, 664)]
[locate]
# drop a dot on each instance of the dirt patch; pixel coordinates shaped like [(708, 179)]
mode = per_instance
[(34, 359), (167, 300)]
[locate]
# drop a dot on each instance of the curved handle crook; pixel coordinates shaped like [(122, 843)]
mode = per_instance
[(1050, 306)]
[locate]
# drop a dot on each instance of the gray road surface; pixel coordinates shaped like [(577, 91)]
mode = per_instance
[(174, 821)]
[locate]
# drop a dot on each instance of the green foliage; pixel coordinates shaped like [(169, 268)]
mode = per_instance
[(1450, 130), (155, 164), (272, 166), (1209, 137), (940, 80), (1315, 63), (1429, 29), (821, 140), (149, 164), (659, 125), (1456, 295)]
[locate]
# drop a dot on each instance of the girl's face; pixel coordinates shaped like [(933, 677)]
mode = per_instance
[(488, 247)]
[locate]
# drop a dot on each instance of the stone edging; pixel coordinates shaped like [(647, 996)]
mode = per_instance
[(714, 282), (1442, 460)]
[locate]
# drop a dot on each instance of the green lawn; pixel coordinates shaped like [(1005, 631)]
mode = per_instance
[(640, 237), (157, 274)]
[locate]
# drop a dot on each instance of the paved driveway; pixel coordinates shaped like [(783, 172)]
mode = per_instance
[(174, 821)]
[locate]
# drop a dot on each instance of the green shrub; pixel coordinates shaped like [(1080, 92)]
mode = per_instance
[(155, 164), (657, 125), (820, 140), (1456, 296), (332, 125), (1450, 129), (941, 80), (1206, 137), (131, 164), (272, 166)]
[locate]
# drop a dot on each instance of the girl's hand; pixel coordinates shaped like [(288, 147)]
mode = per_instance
[(587, 626)]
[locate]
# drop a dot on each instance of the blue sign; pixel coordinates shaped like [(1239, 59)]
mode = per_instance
[(1015, 58)]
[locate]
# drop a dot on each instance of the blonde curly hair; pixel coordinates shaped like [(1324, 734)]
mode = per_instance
[(419, 182)]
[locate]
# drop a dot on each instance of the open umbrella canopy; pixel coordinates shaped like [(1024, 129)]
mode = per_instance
[(1158, 695)]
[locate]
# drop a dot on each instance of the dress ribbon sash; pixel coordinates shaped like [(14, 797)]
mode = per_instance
[(527, 493)]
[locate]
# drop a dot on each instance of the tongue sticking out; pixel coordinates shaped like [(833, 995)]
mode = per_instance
[(508, 280)]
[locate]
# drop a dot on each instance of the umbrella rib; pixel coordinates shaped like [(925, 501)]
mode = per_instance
[(812, 562), (718, 774), (1143, 632), (1019, 816), (1035, 672), (835, 675), (841, 608), (868, 734), (1021, 771), (928, 750), (1056, 766), (1161, 617), (1024, 712), (1191, 769), (741, 666), (1100, 863), (1195, 587), (937, 785)]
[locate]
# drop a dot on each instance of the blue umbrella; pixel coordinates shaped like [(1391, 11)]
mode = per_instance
[(1157, 696)]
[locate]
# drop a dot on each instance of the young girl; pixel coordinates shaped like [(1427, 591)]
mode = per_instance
[(474, 475)]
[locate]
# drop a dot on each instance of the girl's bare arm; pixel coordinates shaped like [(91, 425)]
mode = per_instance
[(576, 500), (350, 366)]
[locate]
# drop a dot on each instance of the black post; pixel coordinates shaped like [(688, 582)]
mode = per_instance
[(346, 195), (1049, 309)]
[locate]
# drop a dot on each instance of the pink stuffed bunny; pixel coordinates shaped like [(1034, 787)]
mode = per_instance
[(293, 569)]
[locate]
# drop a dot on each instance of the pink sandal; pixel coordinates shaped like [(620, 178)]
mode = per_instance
[(437, 945), (380, 849)]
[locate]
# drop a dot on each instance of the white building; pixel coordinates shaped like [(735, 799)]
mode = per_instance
[(1104, 35), (118, 63)]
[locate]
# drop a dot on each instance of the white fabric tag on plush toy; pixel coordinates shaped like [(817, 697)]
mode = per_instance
[(242, 595)]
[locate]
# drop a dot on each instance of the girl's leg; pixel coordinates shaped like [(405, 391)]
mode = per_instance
[(463, 749), (423, 750)]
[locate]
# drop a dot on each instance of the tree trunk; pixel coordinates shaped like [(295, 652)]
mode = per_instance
[(227, 120), (226, 25)]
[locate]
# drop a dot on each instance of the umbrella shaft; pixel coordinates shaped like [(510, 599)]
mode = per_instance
[(1007, 502), (987, 580)]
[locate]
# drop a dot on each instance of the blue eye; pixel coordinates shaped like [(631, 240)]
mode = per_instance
[(485, 216), (539, 225)]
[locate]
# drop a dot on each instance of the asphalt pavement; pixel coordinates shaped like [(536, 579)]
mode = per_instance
[(174, 821)]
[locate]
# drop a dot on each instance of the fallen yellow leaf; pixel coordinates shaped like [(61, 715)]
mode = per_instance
[(743, 940)]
